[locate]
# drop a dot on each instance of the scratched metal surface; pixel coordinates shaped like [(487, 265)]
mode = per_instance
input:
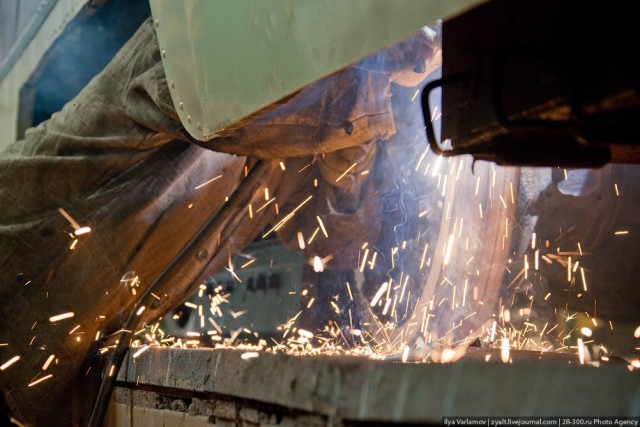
[(226, 60)]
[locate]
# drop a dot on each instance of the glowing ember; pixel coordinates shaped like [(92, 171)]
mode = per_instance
[(584, 280), (586, 331), (346, 172), (448, 355), (140, 351), (82, 230), (324, 230), (405, 354), (208, 182), (68, 217), (9, 362), (449, 248), (378, 294), (249, 355), (305, 333), (504, 350), (301, 243), (48, 362), (63, 316), (38, 381), (581, 351), (318, 266)]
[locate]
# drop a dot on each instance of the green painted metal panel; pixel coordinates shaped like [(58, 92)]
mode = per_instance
[(227, 59)]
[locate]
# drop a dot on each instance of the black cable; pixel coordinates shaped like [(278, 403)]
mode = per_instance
[(186, 255)]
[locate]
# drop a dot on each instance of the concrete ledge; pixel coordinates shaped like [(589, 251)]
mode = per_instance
[(363, 390)]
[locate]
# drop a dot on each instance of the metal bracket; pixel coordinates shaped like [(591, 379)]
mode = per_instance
[(435, 145)]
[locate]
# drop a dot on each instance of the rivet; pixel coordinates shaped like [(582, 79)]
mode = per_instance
[(348, 127), (157, 23), (202, 255), (181, 105), (189, 119), (173, 84), (164, 53), (199, 126)]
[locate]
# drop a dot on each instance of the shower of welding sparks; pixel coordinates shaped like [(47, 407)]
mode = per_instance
[(378, 294), (231, 270), (448, 249), (68, 217), (313, 236), (389, 337), (301, 243), (346, 172), (48, 362), (318, 266), (236, 314), (450, 355), (78, 229), (248, 263), (208, 182), (324, 230), (434, 171), (493, 331), (140, 351), (283, 221), (249, 355), (405, 354), (581, 351), (38, 381), (63, 316), (305, 333), (82, 230), (269, 201), (9, 362), (504, 350)]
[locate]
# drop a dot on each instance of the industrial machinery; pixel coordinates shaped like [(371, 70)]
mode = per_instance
[(504, 280)]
